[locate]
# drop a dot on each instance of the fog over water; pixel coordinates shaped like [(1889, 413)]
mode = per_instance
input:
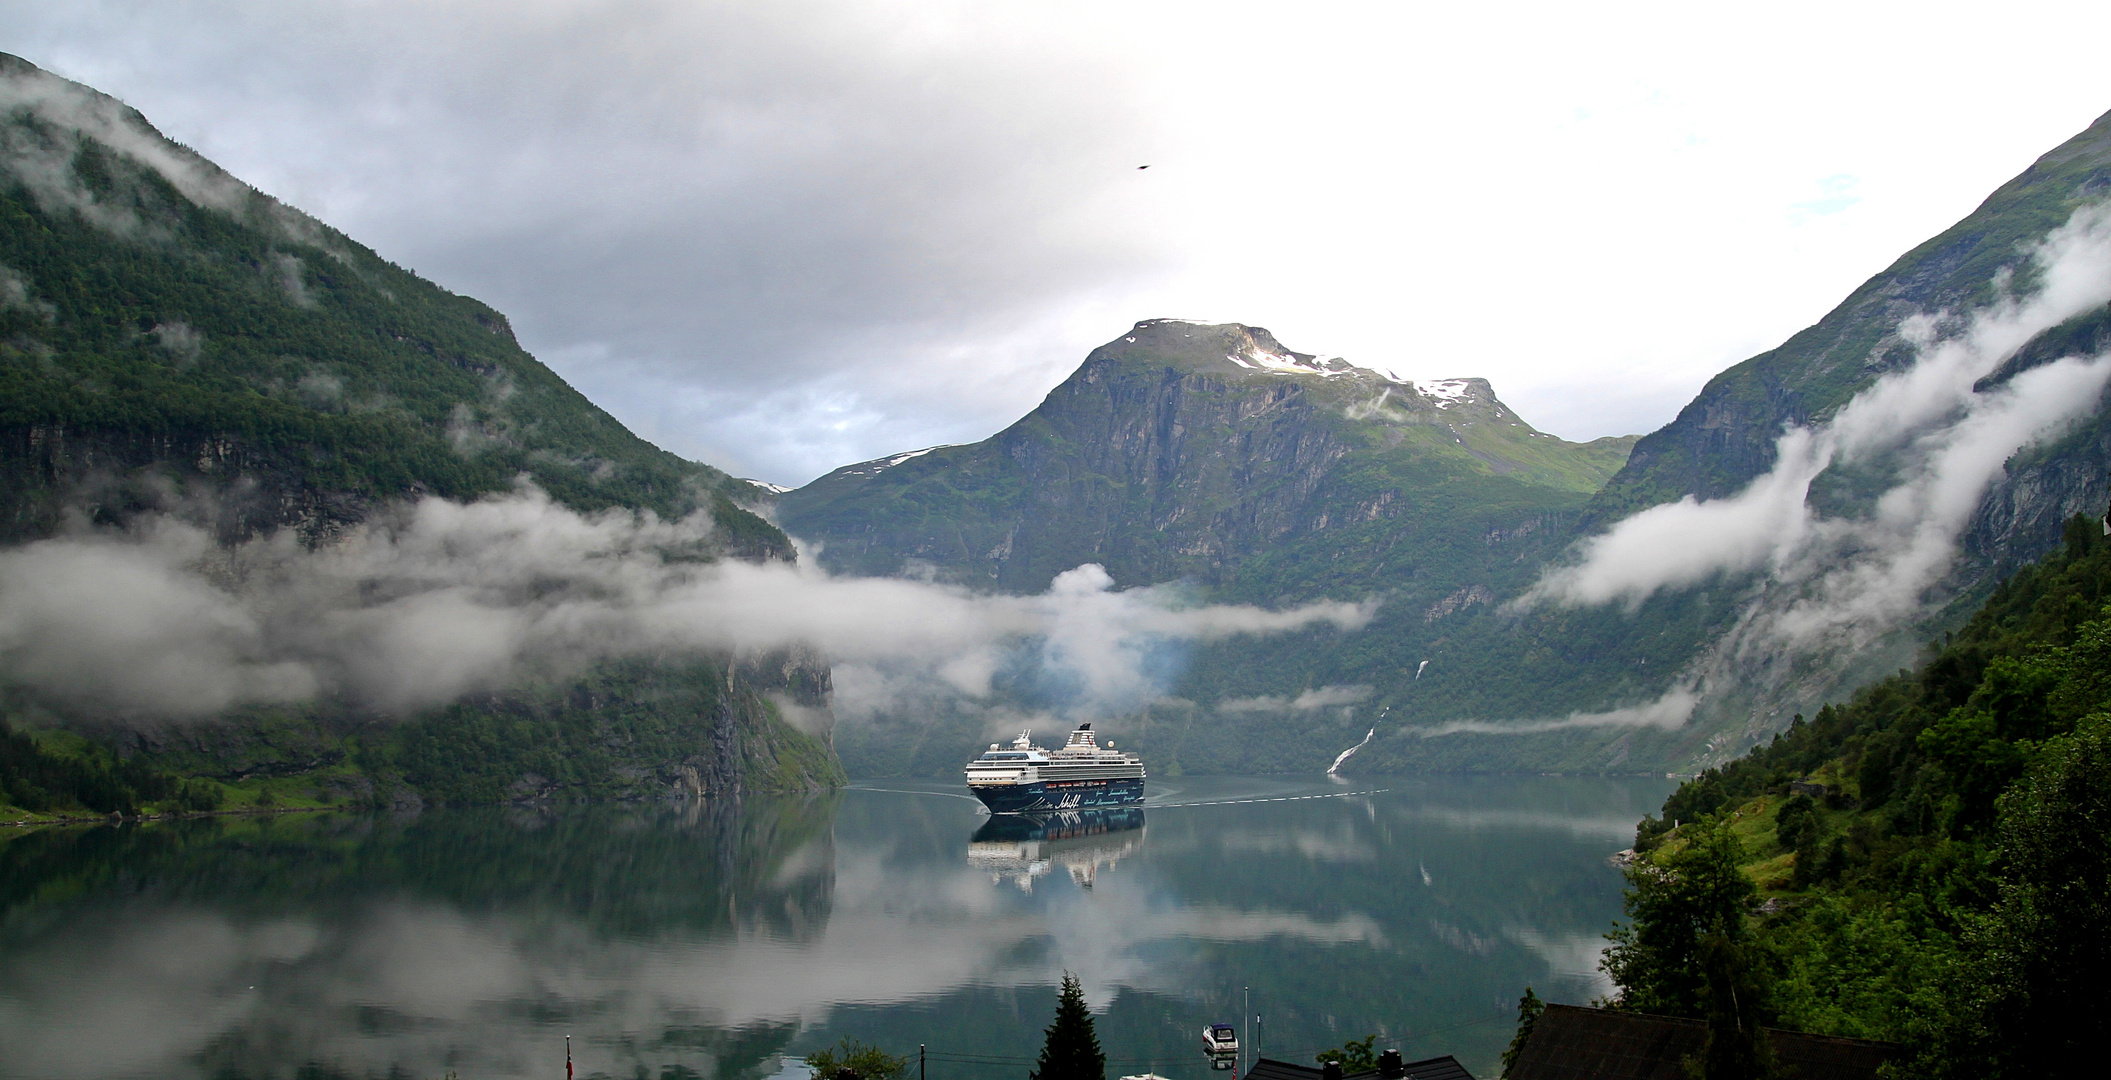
[(721, 937)]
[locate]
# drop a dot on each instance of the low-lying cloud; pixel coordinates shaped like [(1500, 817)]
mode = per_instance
[(1667, 713), (1322, 697), (435, 599), (1940, 437), (42, 159)]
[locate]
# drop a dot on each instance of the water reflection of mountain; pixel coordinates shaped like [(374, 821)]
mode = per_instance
[(330, 946), (710, 867), (1021, 847), (706, 940)]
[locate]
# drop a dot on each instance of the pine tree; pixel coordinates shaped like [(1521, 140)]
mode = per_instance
[(1528, 1009), (1072, 1051), (1734, 1007)]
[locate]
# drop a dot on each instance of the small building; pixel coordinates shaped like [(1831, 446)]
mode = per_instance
[(1573, 1043), (1390, 1067)]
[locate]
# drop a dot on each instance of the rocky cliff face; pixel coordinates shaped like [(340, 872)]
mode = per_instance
[(173, 342)]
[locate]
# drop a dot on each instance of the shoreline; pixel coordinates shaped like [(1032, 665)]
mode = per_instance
[(115, 818)]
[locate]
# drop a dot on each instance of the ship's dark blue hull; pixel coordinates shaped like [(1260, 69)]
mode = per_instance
[(1059, 825), (1060, 795)]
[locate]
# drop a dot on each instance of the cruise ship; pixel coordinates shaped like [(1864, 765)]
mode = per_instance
[(1025, 779)]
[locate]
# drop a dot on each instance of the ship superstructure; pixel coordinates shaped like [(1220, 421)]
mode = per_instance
[(1024, 778)]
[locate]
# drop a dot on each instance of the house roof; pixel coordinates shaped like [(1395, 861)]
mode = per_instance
[(1436, 1068), (1572, 1043)]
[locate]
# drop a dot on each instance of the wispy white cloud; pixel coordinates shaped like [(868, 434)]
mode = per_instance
[(1940, 437), (1670, 711), (1320, 697), (435, 599)]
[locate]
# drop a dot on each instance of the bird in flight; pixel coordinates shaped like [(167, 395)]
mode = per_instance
[(1140, 168)]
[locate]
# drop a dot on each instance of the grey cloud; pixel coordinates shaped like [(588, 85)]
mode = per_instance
[(1667, 712), (435, 599), (122, 626), (711, 218), (15, 292), (1309, 701), (42, 158)]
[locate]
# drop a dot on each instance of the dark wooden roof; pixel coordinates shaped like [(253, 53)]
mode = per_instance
[(1436, 1068), (1571, 1043)]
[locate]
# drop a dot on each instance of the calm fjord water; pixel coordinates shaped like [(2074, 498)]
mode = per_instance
[(711, 940)]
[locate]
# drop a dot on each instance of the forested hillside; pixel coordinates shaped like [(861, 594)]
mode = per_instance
[(1949, 885), (175, 346)]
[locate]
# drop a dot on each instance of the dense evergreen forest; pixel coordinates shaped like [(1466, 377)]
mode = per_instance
[(1947, 883)]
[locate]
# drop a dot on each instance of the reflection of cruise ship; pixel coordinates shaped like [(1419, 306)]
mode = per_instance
[(1026, 779), (1022, 847)]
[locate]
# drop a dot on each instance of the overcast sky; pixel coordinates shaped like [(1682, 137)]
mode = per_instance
[(783, 236)]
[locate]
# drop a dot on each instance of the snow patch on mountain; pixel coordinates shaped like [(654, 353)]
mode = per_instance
[(1444, 393), (878, 465), (1263, 360)]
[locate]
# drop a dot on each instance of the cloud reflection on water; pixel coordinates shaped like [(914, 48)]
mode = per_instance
[(465, 941)]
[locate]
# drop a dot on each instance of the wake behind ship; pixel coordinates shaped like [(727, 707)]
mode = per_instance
[(1024, 778)]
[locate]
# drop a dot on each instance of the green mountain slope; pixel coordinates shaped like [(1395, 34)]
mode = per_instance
[(193, 330), (172, 341), (1181, 455), (1212, 454), (1726, 435), (1188, 450)]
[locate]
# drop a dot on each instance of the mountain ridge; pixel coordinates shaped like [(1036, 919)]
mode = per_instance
[(175, 345), (1123, 418), (1211, 454), (1587, 687), (1725, 436)]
